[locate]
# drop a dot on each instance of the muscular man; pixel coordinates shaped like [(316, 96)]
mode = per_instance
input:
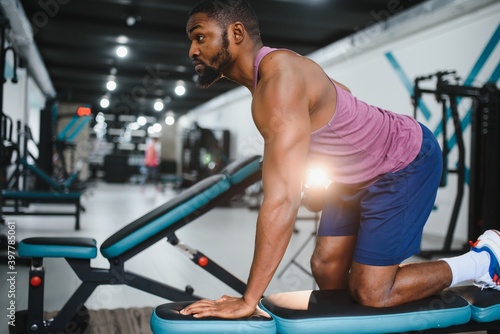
[(385, 169)]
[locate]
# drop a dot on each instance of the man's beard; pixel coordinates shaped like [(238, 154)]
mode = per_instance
[(211, 74)]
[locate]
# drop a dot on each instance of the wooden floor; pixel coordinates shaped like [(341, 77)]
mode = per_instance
[(224, 234)]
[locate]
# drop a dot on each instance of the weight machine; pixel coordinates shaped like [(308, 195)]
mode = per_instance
[(484, 181)]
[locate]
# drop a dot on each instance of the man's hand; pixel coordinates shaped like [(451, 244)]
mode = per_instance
[(225, 307)]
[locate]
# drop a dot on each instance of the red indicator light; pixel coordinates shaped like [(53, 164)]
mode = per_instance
[(83, 111)]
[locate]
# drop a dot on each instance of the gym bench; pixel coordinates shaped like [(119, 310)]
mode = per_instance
[(63, 186), (455, 310), (129, 241), (20, 198)]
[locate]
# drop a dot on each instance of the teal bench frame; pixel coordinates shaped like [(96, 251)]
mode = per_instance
[(47, 179), (161, 223)]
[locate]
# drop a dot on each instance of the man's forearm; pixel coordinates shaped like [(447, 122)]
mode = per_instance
[(272, 238)]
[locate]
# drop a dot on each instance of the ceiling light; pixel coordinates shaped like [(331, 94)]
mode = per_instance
[(154, 129), (100, 118), (132, 20), (170, 119), (111, 85), (141, 120), (121, 51), (104, 102), (158, 105), (122, 39), (180, 89), (157, 127), (133, 126)]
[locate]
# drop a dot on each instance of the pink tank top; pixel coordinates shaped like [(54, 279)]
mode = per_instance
[(361, 142)]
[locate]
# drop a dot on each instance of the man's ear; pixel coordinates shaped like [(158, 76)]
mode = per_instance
[(238, 32)]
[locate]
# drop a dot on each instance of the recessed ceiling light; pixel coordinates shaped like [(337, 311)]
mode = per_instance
[(170, 118), (121, 51), (104, 102), (158, 105), (111, 85), (132, 20), (122, 39), (180, 89), (141, 120), (157, 127)]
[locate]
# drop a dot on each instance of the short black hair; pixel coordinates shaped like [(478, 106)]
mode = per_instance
[(226, 12)]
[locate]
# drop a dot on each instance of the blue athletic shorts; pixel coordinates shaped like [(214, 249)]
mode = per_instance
[(388, 217)]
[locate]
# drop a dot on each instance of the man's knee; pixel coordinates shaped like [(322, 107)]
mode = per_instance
[(317, 265), (367, 296), (326, 266), (372, 286)]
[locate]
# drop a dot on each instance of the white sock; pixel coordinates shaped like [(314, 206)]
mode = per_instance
[(470, 266)]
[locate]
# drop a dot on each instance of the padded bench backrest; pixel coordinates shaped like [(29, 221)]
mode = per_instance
[(240, 170), (181, 209)]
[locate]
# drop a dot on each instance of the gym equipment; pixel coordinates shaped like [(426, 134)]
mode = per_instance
[(65, 142), (54, 185), (17, 196), (204, 152), (5, 149), (160, 223), (454, 310), (23, 166), (484, 194), (167, 319), (484, 182)]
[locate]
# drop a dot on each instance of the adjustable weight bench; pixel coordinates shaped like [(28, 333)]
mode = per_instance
[(19, 197), (15, 202), (156, 225), (63, 186), (455, 310), (40, 173)]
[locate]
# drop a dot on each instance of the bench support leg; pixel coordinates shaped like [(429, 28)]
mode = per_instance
[(36, 297)]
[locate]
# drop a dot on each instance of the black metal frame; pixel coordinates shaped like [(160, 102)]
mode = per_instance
[(16, 204), (15, 199), (445, 91)]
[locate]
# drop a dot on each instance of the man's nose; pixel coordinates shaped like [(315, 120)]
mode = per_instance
[(193, 51)]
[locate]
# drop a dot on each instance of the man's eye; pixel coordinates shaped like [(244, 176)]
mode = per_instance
[(200, 38)]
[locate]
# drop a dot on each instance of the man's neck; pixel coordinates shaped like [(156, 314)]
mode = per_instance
[(242, 71)]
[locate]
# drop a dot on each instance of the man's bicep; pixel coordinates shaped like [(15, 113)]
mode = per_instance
[(286, 141), (281, 113)]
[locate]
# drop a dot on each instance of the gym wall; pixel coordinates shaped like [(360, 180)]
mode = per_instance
[(379, 65)]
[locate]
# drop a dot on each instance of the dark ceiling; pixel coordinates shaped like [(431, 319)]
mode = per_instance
[(77, 41)]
